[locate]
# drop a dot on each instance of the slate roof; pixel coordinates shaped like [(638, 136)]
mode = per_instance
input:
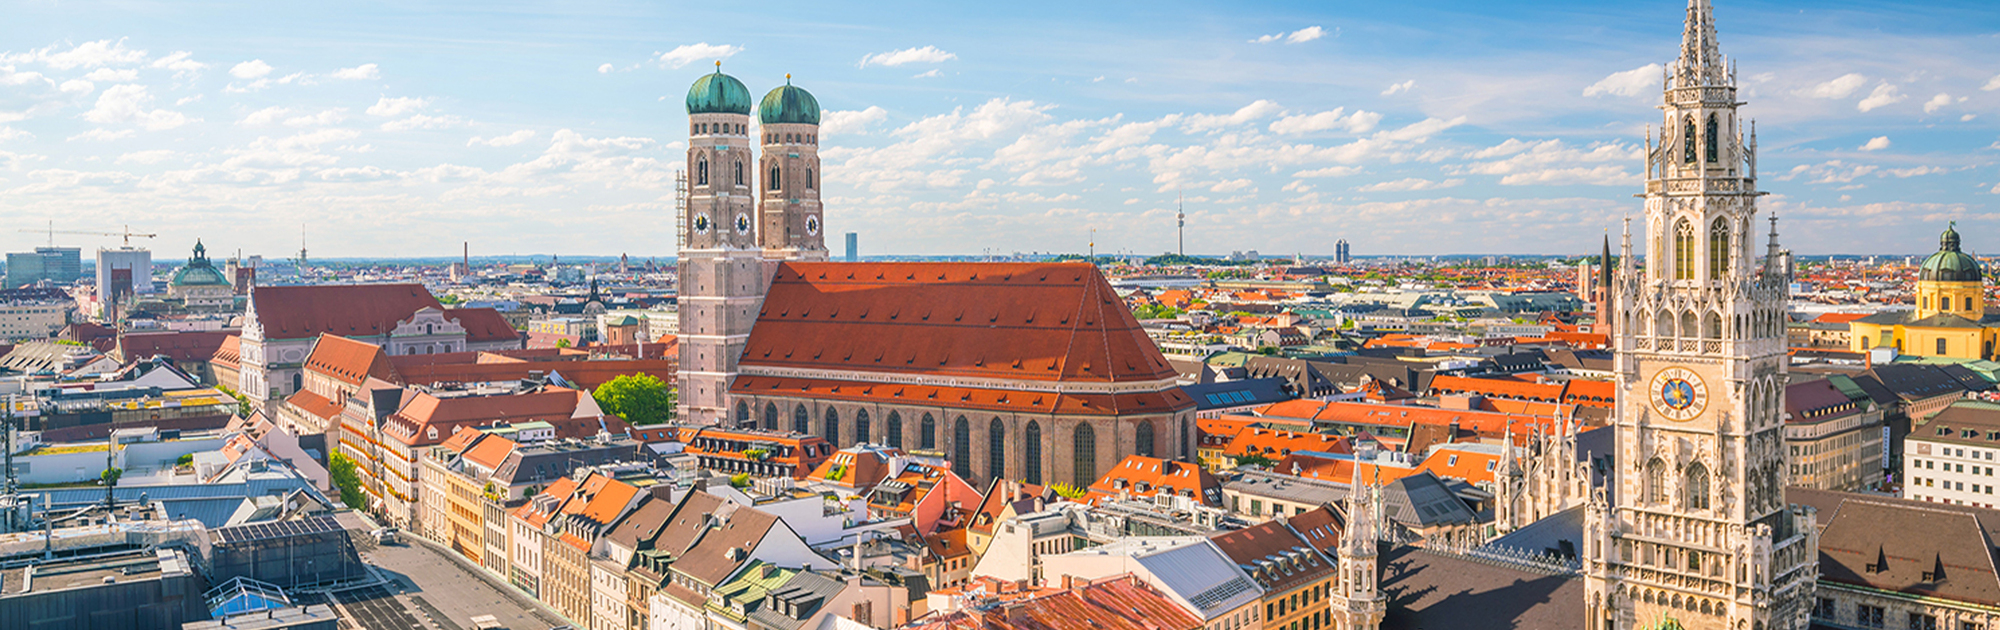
[(1423, 500), (1278, 558), (1943, 320), (1912, 547), (1428, 590), (1912, 381)]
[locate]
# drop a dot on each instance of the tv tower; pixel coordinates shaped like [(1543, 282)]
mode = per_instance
[(1180, 220)]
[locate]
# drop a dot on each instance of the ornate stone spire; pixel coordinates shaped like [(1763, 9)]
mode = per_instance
[(1701, 61)]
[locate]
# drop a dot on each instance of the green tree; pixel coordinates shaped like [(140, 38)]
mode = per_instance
[(1255, 460), (638, 398), (562, 343), (110, 476), (347, 481)]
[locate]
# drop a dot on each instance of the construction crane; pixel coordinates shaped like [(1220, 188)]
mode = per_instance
[(128, 234)]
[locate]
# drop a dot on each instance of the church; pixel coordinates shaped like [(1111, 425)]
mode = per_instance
[(1950, 319), (1029, 371)]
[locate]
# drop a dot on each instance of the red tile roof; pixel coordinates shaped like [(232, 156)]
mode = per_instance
[(349, 361), (1118, 603), (230, 353), (1016, 321), (315, 404), (182, 347), (359, 310), (1166, 400), (1141, 476)]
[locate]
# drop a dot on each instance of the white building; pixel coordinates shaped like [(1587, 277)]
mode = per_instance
[(1950, 456), (33, 319), (135, 261), (1188, 569)]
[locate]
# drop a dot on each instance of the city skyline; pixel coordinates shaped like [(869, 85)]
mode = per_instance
[(393, 132)]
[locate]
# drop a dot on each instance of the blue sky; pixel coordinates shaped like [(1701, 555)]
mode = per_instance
[(401, 129)]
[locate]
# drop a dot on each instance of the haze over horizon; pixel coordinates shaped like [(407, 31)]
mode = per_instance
[(399, 131)]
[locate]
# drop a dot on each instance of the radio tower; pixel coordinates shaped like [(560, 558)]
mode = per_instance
[(1180, 220)]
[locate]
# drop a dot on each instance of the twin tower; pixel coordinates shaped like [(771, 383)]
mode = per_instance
[(744, 213)]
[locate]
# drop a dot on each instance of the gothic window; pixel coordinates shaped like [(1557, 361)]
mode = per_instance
[(832, 426), (1718, 249), (1083, 456), (809, 178), (1711, 326), (861, 426), (1687, 142), (1697, 487), (1712, 140), (1683, 250), (961, 445), (1033, 454), (701, 173), (771, 416), (927, 433), (1142, 439), (739, 173), (742, 413), (1663, 326), (996, 449), (1656, 481), (894, 430), (774, 178), (801, 420), (1688, 330)]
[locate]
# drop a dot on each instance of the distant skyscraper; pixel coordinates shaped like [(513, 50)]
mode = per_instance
[(1340, 252), (55, 264), (853, 247), (125, 272)]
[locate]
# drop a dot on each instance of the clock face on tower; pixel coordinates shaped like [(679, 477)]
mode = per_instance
[(1678, 394), (742, 224), (701, 223), (812, 225)]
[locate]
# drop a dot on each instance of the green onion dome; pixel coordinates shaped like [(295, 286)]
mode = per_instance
[(789, 104), (718, 93)]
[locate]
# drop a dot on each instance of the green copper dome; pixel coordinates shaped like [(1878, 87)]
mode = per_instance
[(198, 271), (789, 104), (1949, 264), (718, 93)]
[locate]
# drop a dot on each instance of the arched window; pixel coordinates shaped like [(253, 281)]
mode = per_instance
[(739, 173), (771, 416), (742, 414), (1083, 456), (1031, 461), (774, 179), (832, 426), (894, 430), (1711, 326), (809, 178), (1687, 142), (1712, 140), (1688, 329), (1697, 487), (1940, 345), (927, 433), (1656, 481), (1718, 249), (961, 445), (701, 172), (861, 426), (996, 449), (1663, 326), (801, 420), (1683, 250), (1142, 439), (298, 381)]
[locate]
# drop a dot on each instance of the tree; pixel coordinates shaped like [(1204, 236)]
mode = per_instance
[(1254, 460), (638, 398), (562, 343), (347, 481)]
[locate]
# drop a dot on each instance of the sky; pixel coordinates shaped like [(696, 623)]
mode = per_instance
[(391, 129)]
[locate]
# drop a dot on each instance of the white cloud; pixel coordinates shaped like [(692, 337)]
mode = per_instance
[(1331, 171), (1913, 171), (127, 104), (1400, 88), (1876, 144), (266, 116), (1409, 184), (1231, 185), (690, 53), (1829, 172), (1992, 84), (113, 75), (1936, 103), (181, 62), (1883, 96), (102, 52), (1256, 110), (8, 76), (1358, 122), (851, 121), (390, 107), (1553, 162), (1295, 37), (104, 135), (503, 141), (324, 118), (1628, 83), (10, 133), (252, 69), (604, 69), (154, 156), (1841, 87), (421, 121), (363, 71), (77, 86), (927, 54), (1422, 129), (928, 74)]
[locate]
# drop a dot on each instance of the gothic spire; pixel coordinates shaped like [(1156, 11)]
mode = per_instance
[(1701, 60), (1604, 269)]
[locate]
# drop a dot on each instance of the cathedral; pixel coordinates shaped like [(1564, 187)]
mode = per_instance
[(1029, 371), (1950, 319)]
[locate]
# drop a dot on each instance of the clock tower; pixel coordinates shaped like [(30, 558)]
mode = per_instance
[(1693, 530), (721, 280)]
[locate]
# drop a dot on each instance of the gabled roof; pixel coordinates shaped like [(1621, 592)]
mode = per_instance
[(348, 360), (722, 551), (1275, 556), (1912, 547), (1015, 321), (1117, 603), (181, 346), (229, 353), (1142, 476), (359, 310), (1438, 590)]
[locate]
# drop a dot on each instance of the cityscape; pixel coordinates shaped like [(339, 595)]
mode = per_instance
[(975, 347)]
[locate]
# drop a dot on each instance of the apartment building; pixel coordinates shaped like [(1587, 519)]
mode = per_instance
[(1949, 457), (1834, 437)]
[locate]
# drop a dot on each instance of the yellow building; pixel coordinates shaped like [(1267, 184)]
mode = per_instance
[(1950, 320)]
